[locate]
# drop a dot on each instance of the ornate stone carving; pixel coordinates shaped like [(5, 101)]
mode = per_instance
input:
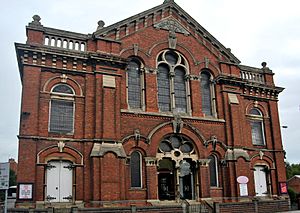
[(137, 135), (261, 155), (150, 161), (171, 25), (60, 146), (64, 78), (135, 49), (100, 25), (172, 39), (234, 154), (203, 162), (36, 21), (177, 124)]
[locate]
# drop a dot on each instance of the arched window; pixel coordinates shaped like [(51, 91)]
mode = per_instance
[(257, 127), (206, 93), (62, 109), (135, 88), (213, 171), (171, 82), (136, 169)]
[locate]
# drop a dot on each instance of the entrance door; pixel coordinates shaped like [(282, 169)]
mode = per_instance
[(260, 180), (59, 181), (166, 186)]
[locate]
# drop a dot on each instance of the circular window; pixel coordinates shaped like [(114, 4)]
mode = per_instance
[(177, 143)]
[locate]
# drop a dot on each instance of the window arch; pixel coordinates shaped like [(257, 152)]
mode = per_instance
[(172, 83), (62, 109), (135, 84), (136, 169), (207, 93), (213, 171), (257, 127)]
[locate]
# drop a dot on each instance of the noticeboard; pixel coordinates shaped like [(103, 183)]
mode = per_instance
[(4, 176)]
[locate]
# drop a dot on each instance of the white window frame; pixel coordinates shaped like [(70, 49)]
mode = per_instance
[(260, 119), (61, 97)]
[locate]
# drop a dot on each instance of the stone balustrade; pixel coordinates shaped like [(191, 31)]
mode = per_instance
[(65, 43), (253, 76)]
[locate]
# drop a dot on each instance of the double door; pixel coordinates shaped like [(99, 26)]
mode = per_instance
[(59, 181), (260, 180)]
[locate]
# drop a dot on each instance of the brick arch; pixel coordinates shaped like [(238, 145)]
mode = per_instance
[(259, 106), (53, 153), (50, 83), (161, 131), (212, 69), (265, 160), (129, 52)]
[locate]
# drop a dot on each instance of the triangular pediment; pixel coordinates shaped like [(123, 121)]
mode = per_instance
[(172, 25), (172, 22)]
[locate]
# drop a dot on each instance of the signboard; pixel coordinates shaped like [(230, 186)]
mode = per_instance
[(25, 191), (243, 180), (243, 189), (283, 187), (4, 176)]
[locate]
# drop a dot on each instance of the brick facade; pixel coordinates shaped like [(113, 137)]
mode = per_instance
[(107, 130)]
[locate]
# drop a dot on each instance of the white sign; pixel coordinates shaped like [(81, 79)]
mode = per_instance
[(25, 191), (4, 176), (243, 189)]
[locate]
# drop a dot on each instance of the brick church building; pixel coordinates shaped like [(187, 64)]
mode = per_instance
[(152, 109)]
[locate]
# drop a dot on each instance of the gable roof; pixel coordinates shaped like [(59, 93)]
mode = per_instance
[(194, 26)]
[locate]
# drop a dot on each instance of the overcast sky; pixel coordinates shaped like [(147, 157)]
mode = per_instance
[(255, 30)]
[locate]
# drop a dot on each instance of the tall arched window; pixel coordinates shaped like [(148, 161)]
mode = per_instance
[(62, 109), (213, 170), (206, 93), (257, 127), (136, 169), (135, 84), (171, 82)]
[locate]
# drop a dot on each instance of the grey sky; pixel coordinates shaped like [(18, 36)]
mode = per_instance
[(255, 30)]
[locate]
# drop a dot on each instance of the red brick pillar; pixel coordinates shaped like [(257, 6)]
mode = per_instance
[(151, 91), (151, 178), (95, 175), (40, 181), (204, 178)]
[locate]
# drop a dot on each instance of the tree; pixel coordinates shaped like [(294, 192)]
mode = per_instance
[(292, 169)]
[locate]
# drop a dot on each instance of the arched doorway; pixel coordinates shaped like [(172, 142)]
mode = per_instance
[(260, 180), (176, 168)]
